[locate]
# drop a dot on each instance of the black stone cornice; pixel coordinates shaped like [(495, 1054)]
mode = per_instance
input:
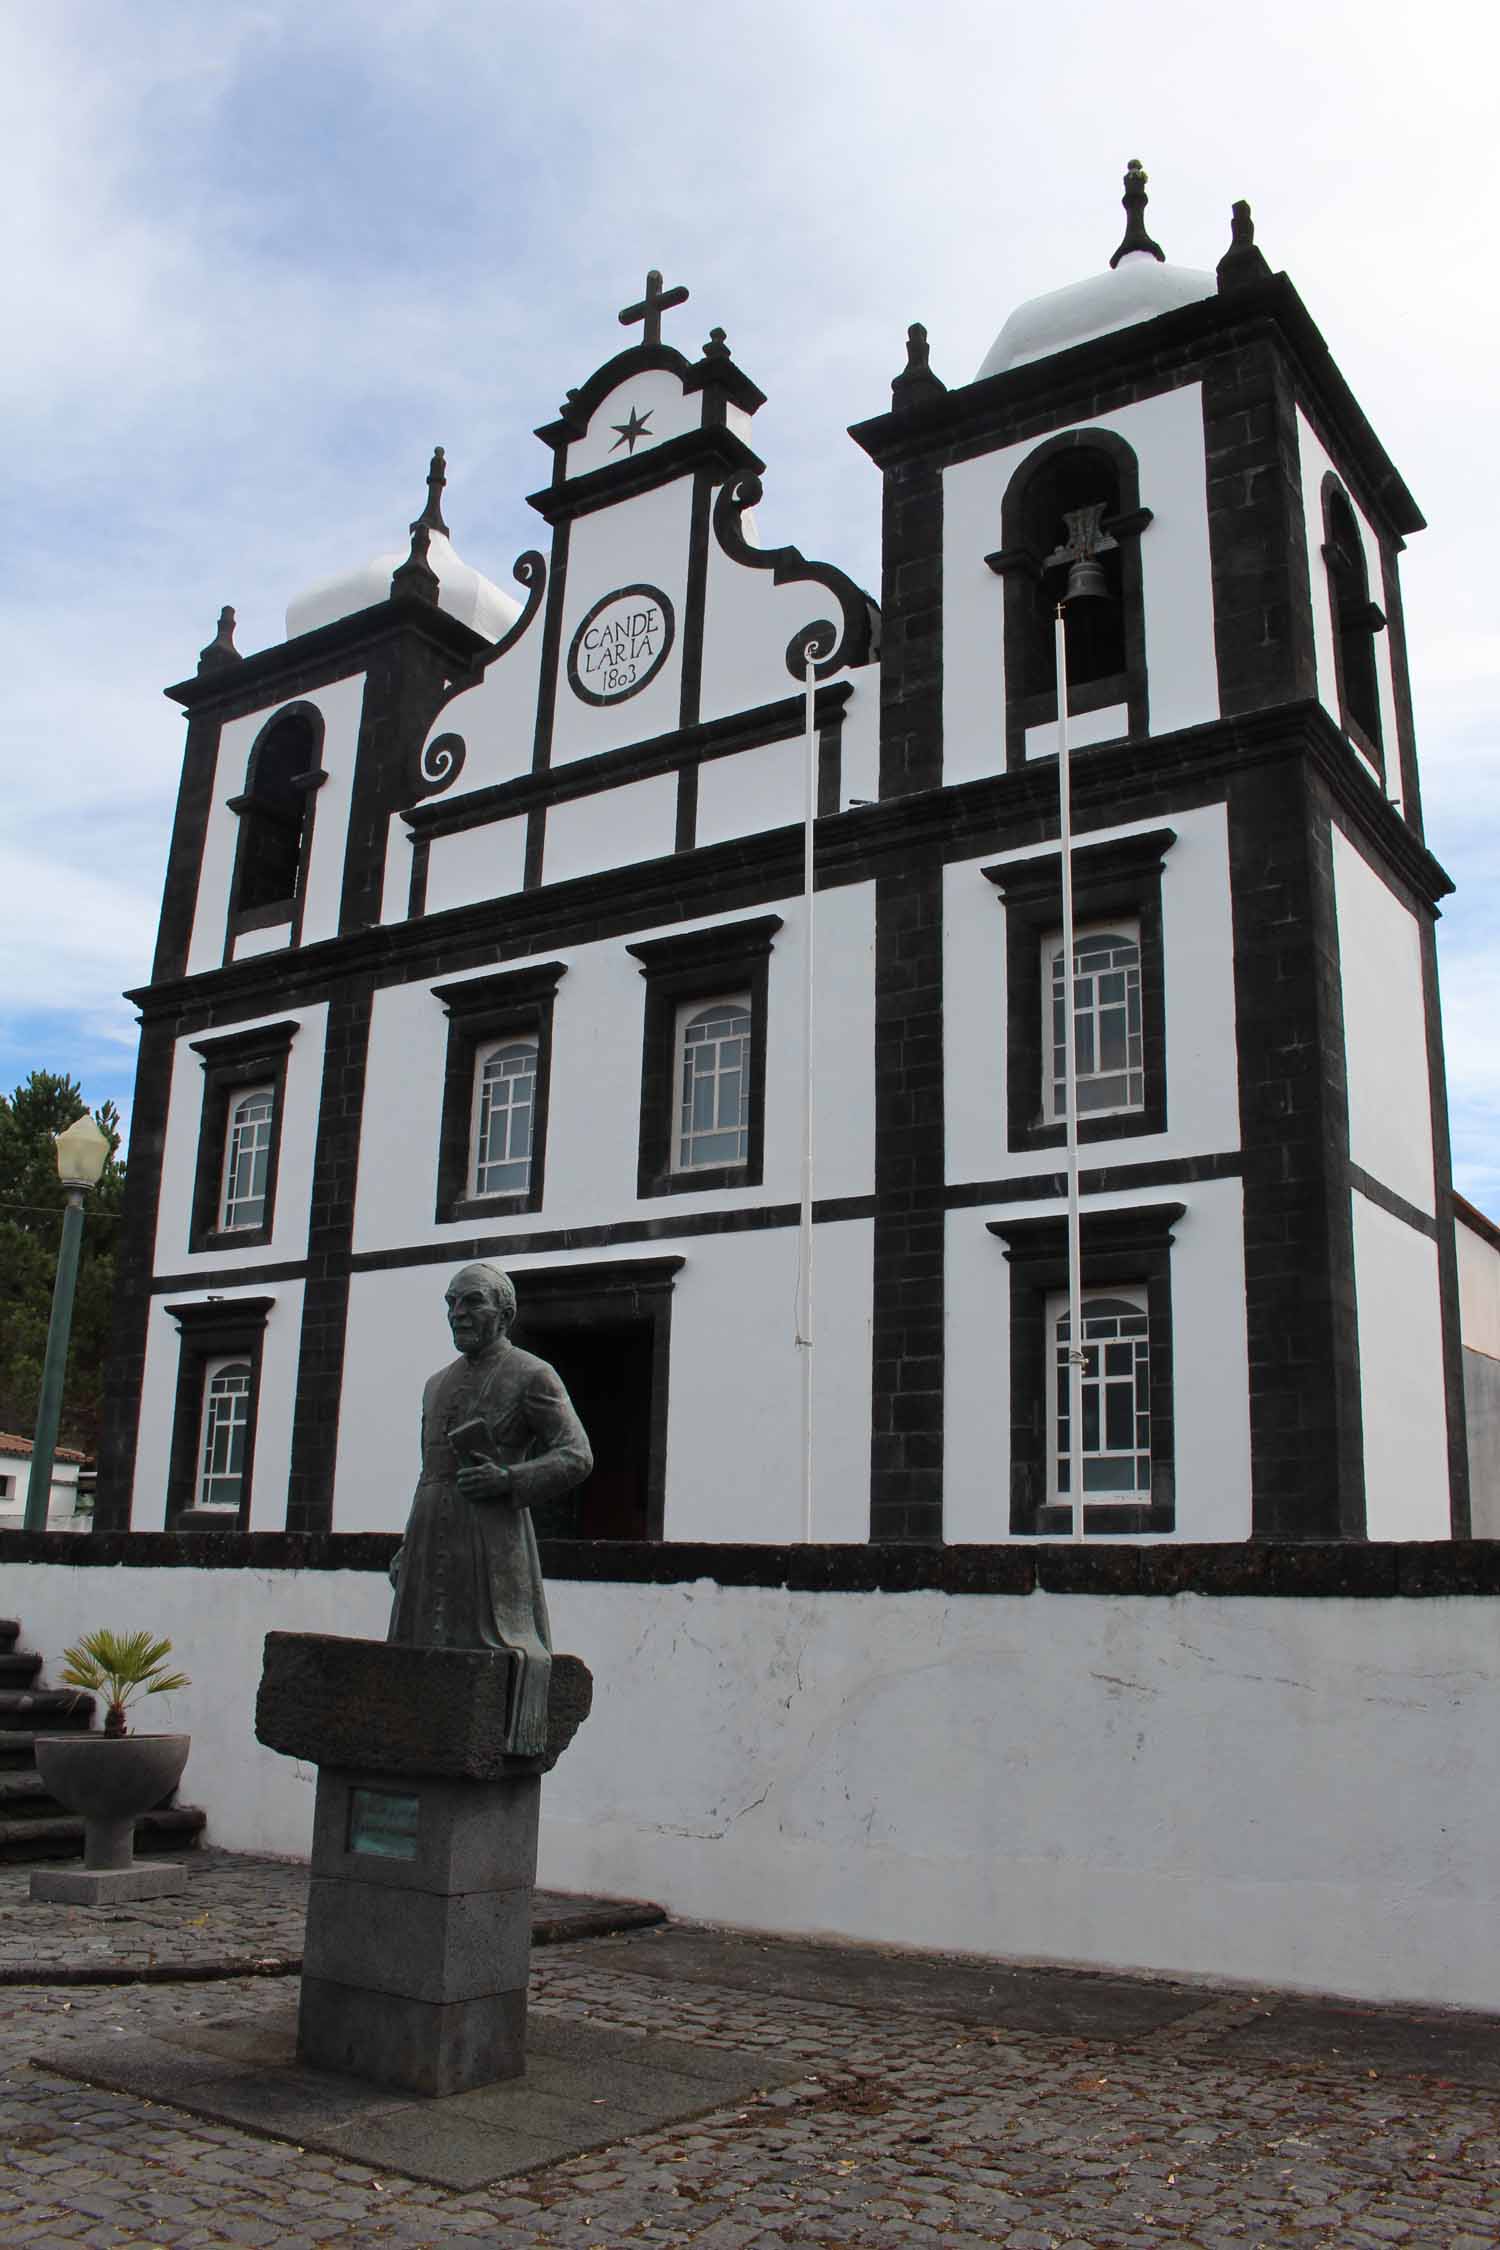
[(329, 652), (755, 729), (1149, 355), (713, 447), (1111, 785)]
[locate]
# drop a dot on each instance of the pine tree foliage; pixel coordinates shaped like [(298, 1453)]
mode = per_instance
[(31, 1207)]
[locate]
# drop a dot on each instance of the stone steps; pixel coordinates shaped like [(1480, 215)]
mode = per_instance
[(18, 1670), (46, 1710)]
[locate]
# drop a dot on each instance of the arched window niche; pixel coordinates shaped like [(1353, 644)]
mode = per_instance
[(275, 815), (1081, 469), (1356, 621)]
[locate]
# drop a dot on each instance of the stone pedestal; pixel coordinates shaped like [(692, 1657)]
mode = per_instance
[(424, 1852)]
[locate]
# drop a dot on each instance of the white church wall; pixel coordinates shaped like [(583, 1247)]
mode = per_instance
[(1198, 972), (1385, 1029), (496, 721), (276, 1399), (748, 623), (1191, 1786), (340, 703), (1402, 1400), (299, 1124), (1166, 434), (641, 541), (591, 1174), (751, 791), (611, 828), (1478, 1289), (465, 866), (1316, 462), (734, 1437), (1210, 1399)]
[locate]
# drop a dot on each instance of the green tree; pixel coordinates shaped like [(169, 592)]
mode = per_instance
[(31, 1207)]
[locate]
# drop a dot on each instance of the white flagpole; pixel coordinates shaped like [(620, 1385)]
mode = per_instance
[(1070, 1097), (805, 1227)]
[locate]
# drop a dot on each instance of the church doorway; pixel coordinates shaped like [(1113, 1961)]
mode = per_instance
[(606, 1330)]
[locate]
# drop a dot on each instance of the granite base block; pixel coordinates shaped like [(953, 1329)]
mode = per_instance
[(468, 1835), (107, 1886), (418, 1945), (422, 2046)]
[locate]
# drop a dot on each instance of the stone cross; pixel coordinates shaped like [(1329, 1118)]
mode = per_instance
[(651, 307)]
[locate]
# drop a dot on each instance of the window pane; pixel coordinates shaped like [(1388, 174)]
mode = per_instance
[(1106, 987), (1116, 1431), (502, 1136), (226, 1410), (713, 1102), (247, 1159)]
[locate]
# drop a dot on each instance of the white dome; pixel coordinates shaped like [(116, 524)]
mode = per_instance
[(1138, 288), (462, 592)]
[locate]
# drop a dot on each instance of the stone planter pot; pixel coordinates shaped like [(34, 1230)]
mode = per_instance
[(111, 1780)]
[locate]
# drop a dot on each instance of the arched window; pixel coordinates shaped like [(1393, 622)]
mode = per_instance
[(505, 1093), (226, 1423), (247, 1156), (1116, 1399), (714, 1082), (275, 817), (1356, 621), (1077, 495)]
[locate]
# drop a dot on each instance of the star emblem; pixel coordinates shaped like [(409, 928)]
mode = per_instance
[(630, 431)]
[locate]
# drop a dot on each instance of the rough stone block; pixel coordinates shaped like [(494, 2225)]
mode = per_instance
[(423, 2046), (108, 1886), (387, 1708)]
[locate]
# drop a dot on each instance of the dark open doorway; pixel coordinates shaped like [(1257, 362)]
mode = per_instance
[(606, 1329)]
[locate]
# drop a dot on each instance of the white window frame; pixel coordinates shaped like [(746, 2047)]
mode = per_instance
[(1124, 930), (486, 1115), (1117, 1305), (694, 1016), (247, 1159), (228, 1380)]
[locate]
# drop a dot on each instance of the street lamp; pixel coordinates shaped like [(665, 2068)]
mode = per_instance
[(82, 1153)]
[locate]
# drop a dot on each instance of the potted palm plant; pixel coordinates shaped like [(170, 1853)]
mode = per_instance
[(114, 1777)]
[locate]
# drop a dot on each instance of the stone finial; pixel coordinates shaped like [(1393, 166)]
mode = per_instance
[(1134, 199), (916, 380), (437, 477), (221, 649), (416, 577), (717, 346), (1242, 263)]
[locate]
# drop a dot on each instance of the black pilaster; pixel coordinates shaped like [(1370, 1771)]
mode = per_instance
[(1257, 531), (125, 1369)]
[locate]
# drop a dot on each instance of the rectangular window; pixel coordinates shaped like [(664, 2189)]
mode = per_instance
[(703, 1056), (1106, 1022), (713, 1077), (226, 1427), (492, 1135), (244, 1097), (1116, 1398), (1119, 990), (247, 1159)]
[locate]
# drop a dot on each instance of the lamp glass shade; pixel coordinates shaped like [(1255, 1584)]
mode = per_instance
[(82, 1153)]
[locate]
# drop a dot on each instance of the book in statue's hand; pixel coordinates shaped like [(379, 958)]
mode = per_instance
[(474, 1443)]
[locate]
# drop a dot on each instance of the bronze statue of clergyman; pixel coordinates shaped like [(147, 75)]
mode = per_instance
[(499, 1437)]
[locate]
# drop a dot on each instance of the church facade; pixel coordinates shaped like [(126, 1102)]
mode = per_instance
[(486, 934)]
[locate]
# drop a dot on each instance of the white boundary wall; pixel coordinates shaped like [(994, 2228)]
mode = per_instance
[(1289, 1792)]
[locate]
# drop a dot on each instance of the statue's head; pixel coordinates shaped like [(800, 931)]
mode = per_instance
[(481, 1304)]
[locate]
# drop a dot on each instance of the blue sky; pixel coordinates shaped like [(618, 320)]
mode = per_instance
[(260, 258)]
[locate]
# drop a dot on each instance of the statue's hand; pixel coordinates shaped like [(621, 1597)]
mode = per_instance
[(484, 1480)]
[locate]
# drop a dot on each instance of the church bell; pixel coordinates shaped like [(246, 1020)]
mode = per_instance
[(1086, 580)]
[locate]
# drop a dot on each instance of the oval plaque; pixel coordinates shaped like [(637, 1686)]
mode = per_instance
[(621, 645)]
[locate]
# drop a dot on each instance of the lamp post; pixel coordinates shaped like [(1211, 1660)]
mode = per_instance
[(82, 1152)]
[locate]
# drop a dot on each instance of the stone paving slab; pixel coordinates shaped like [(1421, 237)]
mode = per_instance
[(584, 2088), (242, 1914)]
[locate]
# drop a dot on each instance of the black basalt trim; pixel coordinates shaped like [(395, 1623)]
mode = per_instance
[(1257, 531), (1419, 1570), (788, 565), (328, 653), (714, 449), (1461, 1498), (1375, 1191), (1406, 733), (330, 1234)]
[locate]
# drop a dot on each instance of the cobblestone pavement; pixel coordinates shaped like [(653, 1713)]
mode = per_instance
[(913, 2129)]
